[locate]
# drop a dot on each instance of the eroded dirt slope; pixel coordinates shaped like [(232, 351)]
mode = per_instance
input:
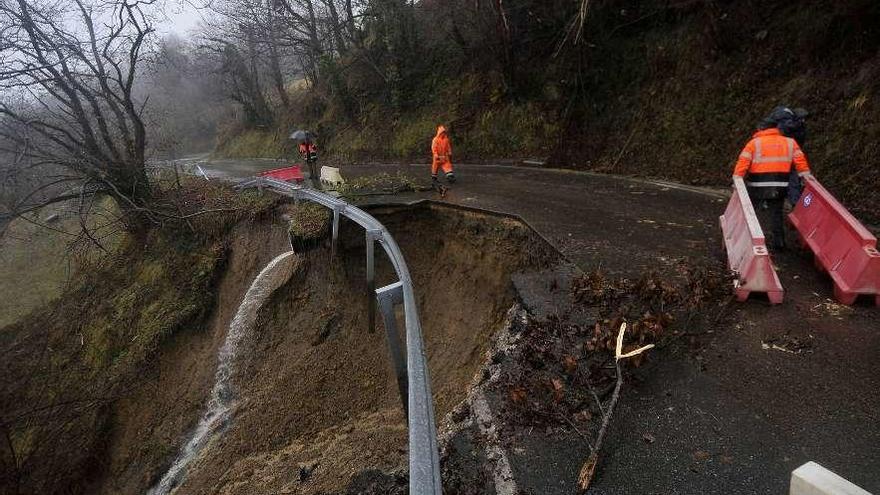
[(150, 422), (319, 403)]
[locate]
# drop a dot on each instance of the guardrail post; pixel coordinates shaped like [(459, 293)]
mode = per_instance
[(388, 297), (424, 461), (371, 236), (337, 211)]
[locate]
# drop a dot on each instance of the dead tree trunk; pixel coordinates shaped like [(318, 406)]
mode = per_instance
[(336, 26)]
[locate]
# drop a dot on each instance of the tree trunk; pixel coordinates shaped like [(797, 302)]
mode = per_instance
[(277, 75), (507, 59), (275, 60), (336, 27), (314, 42), (260, 106), (349, 22), (133, 194)]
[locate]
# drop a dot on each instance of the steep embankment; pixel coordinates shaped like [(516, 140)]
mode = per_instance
[(662, 89), (99, 385), (319, 402), (678, 90), (153, 421), (103, 388)]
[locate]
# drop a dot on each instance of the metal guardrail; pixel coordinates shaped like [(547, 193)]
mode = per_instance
[(412, 369)]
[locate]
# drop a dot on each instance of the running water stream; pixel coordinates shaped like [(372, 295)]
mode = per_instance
[(220, 405)]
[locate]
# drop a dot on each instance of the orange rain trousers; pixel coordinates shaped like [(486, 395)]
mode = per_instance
[(438, 164)]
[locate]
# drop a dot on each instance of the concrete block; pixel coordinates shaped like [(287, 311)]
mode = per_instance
[(813, 479)]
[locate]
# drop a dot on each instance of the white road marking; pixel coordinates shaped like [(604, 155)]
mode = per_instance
[(503, 474)]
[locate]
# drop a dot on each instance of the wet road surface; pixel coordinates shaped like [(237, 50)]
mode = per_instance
[(732, 414)]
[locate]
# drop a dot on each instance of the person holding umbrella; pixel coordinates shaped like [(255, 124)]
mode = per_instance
[(309, 151)]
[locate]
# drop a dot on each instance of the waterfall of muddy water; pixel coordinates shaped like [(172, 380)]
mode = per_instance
[(220, 405)]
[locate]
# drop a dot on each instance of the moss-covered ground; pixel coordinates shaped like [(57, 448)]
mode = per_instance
[(69, 359)]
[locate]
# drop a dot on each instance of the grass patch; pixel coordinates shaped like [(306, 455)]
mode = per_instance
[(37, 262), (381, 183), (33, 266), (309, 222)]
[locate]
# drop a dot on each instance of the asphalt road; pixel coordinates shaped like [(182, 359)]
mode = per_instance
[(732, 414), (621, 226)]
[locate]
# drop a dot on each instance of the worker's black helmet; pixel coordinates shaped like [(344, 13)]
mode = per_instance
[(781, 114)]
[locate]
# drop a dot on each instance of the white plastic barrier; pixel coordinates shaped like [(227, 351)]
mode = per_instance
[(813, 479), (331, 176)]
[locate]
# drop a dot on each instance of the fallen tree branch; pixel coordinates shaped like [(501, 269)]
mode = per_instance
[(589, 468)]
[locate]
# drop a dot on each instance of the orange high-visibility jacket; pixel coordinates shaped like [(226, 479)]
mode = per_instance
[(767, 158), (440, 146)]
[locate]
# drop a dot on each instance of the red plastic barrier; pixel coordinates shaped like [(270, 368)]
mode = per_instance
[(843, 247), (292, 173), (747, 254)]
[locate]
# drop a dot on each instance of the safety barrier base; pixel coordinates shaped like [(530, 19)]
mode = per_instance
[(755, 280)]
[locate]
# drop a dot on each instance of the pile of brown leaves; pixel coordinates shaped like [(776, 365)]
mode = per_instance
[(568, 369)]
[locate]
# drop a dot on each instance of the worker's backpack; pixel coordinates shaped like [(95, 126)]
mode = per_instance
[(791, 124)]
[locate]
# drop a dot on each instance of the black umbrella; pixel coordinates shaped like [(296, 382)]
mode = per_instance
[(301, 135)]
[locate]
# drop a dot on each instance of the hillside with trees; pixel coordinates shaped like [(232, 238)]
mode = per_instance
[(668, 89), (165, 332)]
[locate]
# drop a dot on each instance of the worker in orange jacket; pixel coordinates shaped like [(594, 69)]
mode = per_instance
[(441, 149), (309, 151), (765, 164)]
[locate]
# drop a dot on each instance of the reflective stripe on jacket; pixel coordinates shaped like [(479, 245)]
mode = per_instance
[(767, 159)]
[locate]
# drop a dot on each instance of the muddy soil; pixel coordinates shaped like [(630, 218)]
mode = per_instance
[(318, 405), (150, 422)]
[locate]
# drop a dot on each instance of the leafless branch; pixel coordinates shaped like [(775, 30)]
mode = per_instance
[(589, 467)]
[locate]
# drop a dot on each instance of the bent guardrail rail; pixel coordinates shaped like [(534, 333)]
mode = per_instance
[(842, 246), (747, 254), (412, 370)]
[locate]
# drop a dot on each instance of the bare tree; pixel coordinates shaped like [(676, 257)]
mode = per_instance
[(67, 100), (188, 98), (274, 52), (304, 31), (252, 39)]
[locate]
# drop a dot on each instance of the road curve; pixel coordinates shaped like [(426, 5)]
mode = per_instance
[(733, 414)]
